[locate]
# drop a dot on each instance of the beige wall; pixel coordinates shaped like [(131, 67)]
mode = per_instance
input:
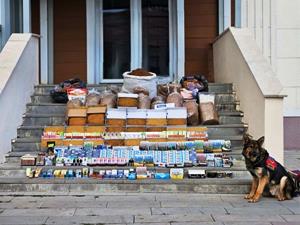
[(275, 25), (238, 60), (18, 74)]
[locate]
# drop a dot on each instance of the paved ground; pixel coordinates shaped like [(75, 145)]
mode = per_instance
[(149, 209)]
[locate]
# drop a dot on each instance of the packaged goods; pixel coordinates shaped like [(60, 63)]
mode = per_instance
[(175, 98), (140, 78), (96, 115), (76, 116), (195, 84), (207, 109), (74, 103), (28, 160), (196, 174), (166, 89), (140, 90), (77, 93), (144, 101), (136, 117), (93, 98), (108, 99), (157, 100), (192, 112), (177, 116), (127, 100)]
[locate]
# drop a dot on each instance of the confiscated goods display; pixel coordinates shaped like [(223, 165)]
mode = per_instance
[(93, 98), (207, 109), (175, 98), (140, 90), (157, 100), (192, 112), (144, 101), (108, 99), (166, 89)]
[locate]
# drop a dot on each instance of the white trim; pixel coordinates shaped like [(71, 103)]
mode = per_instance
[(50, 43), (221, 15), (238, 11), (44, 41), (26, 16), (136, 34), (227, 14), (90, 37), (180, 40)]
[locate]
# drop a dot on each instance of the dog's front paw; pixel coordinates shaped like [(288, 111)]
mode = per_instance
[(253, 200), (280, 198), (248, 196)]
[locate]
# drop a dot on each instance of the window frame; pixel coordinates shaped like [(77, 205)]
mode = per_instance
[(95, 40)]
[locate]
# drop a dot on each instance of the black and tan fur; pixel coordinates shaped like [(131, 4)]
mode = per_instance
[(266, 172)]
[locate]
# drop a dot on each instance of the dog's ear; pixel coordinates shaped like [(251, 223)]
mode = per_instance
[(260, 141), (247, 138)]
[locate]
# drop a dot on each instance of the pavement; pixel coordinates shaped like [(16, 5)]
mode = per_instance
[(149, 208)]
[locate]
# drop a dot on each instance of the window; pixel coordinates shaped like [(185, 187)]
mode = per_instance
[(134, 33)]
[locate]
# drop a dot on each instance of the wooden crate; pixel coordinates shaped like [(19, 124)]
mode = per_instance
[(128, 100), (96, 115)]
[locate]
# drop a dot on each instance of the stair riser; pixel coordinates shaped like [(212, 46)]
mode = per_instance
[(58, 121), (220, 98), (223, 131), (12, 173), (133, 188), (221, 88), (45, 109)]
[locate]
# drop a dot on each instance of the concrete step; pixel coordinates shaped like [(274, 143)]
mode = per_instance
[(212, 87), (35, 119), (236, 185), (221, 98)]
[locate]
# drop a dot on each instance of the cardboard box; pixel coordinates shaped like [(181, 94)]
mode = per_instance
[(54, 129), (156, 117), (156, 129), (114, 142), (76, 116), (78, 129), (136, 116), (128, 100), (92, 129), (96, 115), (116, 117), (177, 116), (132, 142), (68, 142)]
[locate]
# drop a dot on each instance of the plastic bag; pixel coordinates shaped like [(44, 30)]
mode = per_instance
[(175, 98), (166, 89), (148, 82), (74, 103), (192, 112), (195, 84), (139, 90), (109, 99), (77, 93), (144, 101), (93, 98), (207, 109)]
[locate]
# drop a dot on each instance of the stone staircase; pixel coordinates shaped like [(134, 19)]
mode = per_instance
[(42, 112)]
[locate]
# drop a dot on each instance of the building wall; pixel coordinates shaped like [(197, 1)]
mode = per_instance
[(201, 28), (275, 24)]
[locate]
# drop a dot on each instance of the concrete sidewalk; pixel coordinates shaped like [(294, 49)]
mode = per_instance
[(149, 208)]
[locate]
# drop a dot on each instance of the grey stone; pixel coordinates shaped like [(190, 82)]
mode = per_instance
[(73, 204), (259, 211), (20, 205), (285, 223), (247, 218), (112, 211), (197, 223), (173, 218), (291, 218), (248, 223), (4, 199), (126, 198), (202, 203), (133, 204), (91, 220), (22, 220), (187, 210), (38, 212)]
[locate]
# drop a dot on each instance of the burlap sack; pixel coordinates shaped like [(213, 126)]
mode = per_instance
[(144, 101)]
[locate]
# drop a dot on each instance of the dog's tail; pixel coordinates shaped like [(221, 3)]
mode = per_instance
[(294, 187)]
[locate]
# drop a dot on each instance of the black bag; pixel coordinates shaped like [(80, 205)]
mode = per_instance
[(195, 83), (59, 93)]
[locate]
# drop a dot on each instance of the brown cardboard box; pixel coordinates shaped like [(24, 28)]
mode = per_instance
[(116, 122), (96, 142), (44, 142), (114, 142), (54, 129), (136, 122), (128, 100), (172, 122), (156, 129), (132, 142), (91, 129), (156, 122), (79, 129), (75, 142), (96, 115), (77, 116)]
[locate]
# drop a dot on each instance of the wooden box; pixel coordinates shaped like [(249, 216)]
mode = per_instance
[(136, 117), (96, 115), (128, 100), (156, 122), (95, 142), (177, 116), (77, 116), (92, 129), (79, 129), (68, 142), (116, 117), (54, 129)]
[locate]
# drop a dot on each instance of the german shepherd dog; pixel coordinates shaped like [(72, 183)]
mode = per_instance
[(266, 172)]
